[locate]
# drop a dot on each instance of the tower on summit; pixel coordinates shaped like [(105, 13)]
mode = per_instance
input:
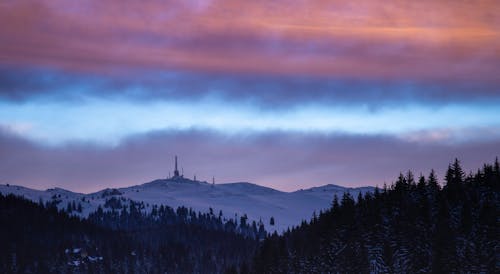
[(176, 171)]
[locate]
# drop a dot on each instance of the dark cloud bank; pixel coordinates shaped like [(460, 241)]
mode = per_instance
[(282, 160), (22, 84)]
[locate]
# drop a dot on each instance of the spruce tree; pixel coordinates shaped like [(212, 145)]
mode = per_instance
[(271, 221), (432, 181), (458, 173)]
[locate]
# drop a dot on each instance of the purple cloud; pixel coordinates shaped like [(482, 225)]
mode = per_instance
[(278, 159)]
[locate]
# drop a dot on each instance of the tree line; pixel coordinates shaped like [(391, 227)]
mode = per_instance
[(120, 238), (416, 225)]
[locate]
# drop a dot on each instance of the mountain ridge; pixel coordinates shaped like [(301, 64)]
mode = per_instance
[(234, 200)]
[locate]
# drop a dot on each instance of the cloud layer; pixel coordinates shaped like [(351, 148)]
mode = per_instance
[(276, 159), (285, 93), (266, 92), (445, 40)]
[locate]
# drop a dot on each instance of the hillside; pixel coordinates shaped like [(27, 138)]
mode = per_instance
[(415, 226), (233, 199), (41, 239)]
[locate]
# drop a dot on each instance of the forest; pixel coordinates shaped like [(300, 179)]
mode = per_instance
[(412, 226), (39, 238)]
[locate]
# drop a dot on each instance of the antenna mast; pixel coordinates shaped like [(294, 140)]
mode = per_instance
[(176, 171)]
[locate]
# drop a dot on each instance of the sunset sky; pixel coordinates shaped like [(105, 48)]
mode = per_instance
[(286, 94)]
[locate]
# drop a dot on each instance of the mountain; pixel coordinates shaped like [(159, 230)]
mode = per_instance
[(259, 203)]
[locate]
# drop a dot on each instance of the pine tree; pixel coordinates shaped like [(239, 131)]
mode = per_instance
[(458, 173), (449, 176), (359, 199), (421, 183), (432, 181), (400, 185), (496, 167), (335, 203), (410, 179)]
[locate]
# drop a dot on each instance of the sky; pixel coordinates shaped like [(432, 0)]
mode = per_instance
[(285, 94)]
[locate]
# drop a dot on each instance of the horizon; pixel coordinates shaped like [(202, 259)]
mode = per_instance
[(102, 95), (173, 178), (170, 179)]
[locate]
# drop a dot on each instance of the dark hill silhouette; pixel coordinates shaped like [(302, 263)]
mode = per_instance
[(415, 226), (38, 238)]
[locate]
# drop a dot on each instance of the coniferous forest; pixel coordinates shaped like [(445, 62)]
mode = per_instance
[(416, 225), (37, 238)]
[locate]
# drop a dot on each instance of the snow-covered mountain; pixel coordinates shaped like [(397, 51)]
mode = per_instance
[(233, 199)]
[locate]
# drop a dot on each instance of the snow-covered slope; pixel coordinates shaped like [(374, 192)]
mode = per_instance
[(233, 199)]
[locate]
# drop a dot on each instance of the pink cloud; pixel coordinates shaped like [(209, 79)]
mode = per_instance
[(448, 40)]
